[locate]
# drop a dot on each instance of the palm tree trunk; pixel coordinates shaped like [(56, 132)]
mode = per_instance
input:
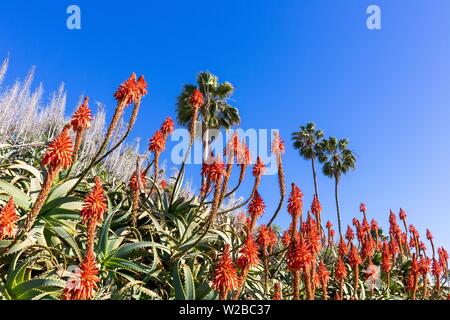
[(336, 195), (313, 165)]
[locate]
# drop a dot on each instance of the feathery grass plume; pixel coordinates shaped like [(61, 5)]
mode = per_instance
[(8, 220), (57, 157), (81, 120), (83, 283), (225, 275)]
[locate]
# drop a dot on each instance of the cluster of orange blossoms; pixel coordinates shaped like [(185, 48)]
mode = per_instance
[(131, 90), (83, 283), (8, 220)]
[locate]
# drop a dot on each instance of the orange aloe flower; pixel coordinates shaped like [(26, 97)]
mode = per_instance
[(83, 283), (196, 98), (295, 201), (128, 91), (157, 142), (225, 276), (248, 254), (135, 184), (277, 291), (95, 203), (259, 168), (256, 206), (8, 220), (82, 117), (59, 151), (167, 127)]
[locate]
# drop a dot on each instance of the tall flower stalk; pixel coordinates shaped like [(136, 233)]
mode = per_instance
[(81, 120), (57, 157)]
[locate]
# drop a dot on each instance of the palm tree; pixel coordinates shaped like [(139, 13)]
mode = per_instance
[(337, 160), (216, 112), (308, 142)]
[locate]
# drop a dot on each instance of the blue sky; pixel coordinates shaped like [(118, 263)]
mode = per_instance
[(291, 62)]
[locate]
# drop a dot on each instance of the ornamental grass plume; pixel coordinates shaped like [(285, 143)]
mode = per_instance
[(81, 120), (94, 208), (57, 157), (83, 283), (137, 184), (225, 275), (8, 220)]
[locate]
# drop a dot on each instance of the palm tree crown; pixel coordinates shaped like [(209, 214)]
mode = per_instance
[(307, 141), (215, 112), (337, 158)]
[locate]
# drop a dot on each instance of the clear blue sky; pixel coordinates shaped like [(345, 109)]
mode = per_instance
[(291, 62)]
